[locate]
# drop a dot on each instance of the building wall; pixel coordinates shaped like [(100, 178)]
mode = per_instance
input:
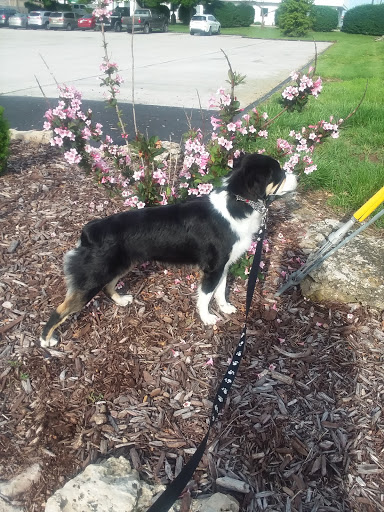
[(265, 10)]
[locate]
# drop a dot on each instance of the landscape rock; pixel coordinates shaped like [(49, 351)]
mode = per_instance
[(353, 274), (6, 506), (218, 502), (32, 136), (20, 483), (111, 485), (114, 485)]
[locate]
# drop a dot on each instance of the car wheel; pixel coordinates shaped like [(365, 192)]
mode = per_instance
[(46, 27), (209, 33), (117, 27), (69, 26), (146, 29), (192, 32), (218, 31), (165, 27)]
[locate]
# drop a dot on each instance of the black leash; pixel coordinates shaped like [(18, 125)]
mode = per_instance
[(175, 488)]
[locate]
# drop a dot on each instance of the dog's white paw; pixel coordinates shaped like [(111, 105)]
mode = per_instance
[(122, 300), (50, 342), (209, 319), (227, 308)]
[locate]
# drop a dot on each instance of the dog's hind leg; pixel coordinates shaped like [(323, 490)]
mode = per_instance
[(73, 302), (119, 299)]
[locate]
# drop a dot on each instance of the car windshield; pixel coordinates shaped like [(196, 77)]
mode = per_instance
[(34, 14), (199, 18), (86, 17), (56, 14), (140, 11)]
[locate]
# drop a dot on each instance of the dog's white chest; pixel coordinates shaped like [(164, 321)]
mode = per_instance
[(243, 228)]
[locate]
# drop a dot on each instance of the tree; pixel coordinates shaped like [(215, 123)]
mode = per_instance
[(294, 17)]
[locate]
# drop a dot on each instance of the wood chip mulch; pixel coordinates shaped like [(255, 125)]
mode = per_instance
[(303, 425)]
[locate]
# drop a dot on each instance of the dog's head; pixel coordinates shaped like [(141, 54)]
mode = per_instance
[(257, 176)]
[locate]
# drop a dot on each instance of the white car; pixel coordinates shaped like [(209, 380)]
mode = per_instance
[(204, 24), (38, 19)]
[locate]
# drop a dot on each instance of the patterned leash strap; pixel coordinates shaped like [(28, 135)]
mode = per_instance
[(165, 501)]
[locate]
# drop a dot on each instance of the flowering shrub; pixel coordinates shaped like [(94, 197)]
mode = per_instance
[(295, 97), (139, 173)]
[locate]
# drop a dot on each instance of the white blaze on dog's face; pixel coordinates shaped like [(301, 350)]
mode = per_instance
[(289, 184)]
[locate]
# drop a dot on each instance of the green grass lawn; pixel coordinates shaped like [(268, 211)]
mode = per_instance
[(351, 167)]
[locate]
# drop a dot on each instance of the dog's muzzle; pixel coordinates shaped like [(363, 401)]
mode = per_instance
[(286, 186)]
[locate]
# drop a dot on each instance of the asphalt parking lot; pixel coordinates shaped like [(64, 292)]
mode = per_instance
[(170, 70)]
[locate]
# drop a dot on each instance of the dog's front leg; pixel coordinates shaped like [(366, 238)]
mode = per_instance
[(207, 287), (221, 300), (203, 300)]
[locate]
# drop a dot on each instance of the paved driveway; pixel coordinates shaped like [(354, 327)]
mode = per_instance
[(170, 69)]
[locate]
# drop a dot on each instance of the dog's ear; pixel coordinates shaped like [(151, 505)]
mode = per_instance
[(237, 161)]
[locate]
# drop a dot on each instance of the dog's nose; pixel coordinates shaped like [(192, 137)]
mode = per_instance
[(290, 182)]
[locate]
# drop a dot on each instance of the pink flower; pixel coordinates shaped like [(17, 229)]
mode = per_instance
[(216, 123), (72, 156)]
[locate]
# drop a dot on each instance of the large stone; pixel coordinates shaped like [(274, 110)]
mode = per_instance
[(353, 274), (21, 483), (114, 486), (32, 136), (111, 485), (218, 502)]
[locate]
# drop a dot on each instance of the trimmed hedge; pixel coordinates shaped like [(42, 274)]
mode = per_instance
[(365, 19), (231, 15), (4, 141), (324, 19)]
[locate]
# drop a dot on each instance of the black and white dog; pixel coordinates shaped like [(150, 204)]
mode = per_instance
[(211, 232)]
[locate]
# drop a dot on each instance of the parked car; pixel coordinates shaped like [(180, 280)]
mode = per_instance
[(38, 19), (63, 19), (5, 13), (113, 22), (86, 22), (146, 20), (204, 24), (18, 20), (79, 9)]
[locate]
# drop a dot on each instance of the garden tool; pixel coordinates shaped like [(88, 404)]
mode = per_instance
[(336, 240)]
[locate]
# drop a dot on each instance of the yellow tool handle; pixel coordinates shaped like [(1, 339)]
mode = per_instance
[(371, 205)]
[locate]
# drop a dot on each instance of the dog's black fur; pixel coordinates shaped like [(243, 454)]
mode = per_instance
[(198, 232)]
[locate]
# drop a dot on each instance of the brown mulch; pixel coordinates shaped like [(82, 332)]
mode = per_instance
[(303, 425)]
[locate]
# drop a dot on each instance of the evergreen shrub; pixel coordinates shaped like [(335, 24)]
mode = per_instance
[(365, 19), (185, 14), (294, 17), (324, 18), (164, 10), (4, 141)]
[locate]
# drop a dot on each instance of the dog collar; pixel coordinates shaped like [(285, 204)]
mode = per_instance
[(258, 206)]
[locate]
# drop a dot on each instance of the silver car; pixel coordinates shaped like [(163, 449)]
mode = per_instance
[(18, 20), (66, 20), (5, 13), (204, 24), (38, 19)]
